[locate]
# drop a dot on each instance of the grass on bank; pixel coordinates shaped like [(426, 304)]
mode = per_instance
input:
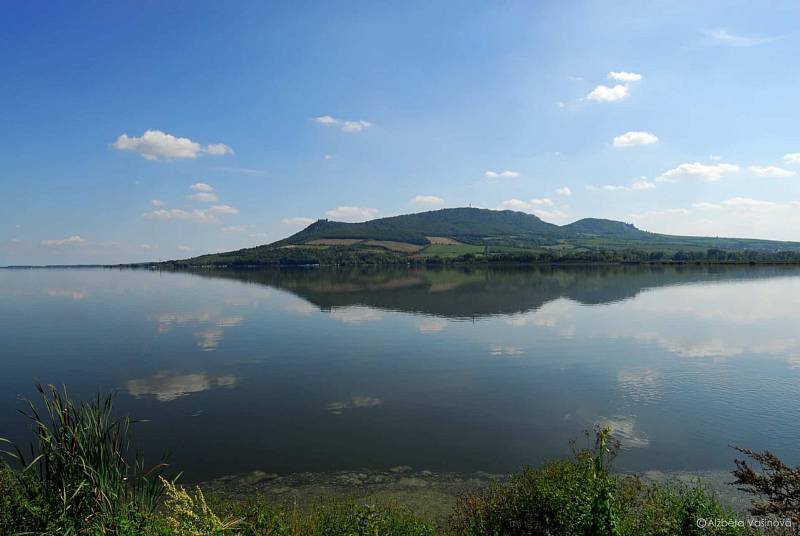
[(82, 476)]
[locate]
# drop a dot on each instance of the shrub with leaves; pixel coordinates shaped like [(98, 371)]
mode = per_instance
[(584, 497)]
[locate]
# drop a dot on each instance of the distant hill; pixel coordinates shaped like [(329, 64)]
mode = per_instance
[(466, 225), (494, 235), (606, 228)]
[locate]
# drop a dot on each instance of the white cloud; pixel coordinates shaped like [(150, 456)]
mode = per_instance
[(624, 76), (328, 157), (792, 158), (73, 240), (156, 145), (617, 92), (544, 202), (608, 94), (427, 200), (564, 190), (184, 248), (196, 215), (550, 215), (304, 222), (662, 212), (205, 197), (643, 185), (235, 229), (218, 149), (715, 157), (704, 205), (749, 203), (326, 120), (515, 204), (744, 217), (158, 202), (346, 213), (634, 138), (223, 209), (721, 36), (204, 193), (772, 171), (355, 126), (518, 204), (710, 173), (345, 124), (176, 214), (635, 187), (507, 174), (539, 207)]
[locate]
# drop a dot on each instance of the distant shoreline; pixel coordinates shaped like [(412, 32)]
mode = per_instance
[(170, 266)]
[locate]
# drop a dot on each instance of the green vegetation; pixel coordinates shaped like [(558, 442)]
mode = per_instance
[(255, 516), (450, 251), (83, 479), (581, 497), (296, 256), (82, 471), (493, 236), (468, 225), (559, 254)]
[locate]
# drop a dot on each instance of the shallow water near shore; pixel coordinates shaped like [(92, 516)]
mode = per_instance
[(448, 370), (432, 496)]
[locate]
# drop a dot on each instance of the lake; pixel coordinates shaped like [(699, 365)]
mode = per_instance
[(447, 370)]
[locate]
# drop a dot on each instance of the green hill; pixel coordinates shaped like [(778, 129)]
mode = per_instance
[(606, 228), (467, 225), (479, 234)]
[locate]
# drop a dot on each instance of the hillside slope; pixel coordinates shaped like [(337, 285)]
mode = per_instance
[(606, 228), (467, 225)]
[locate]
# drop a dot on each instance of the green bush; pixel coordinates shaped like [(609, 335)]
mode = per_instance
[(582, 497)]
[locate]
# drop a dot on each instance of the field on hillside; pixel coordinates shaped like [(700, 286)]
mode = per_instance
[(447, 250), (391, 245)]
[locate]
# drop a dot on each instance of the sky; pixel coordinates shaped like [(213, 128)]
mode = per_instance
[(137, 131)]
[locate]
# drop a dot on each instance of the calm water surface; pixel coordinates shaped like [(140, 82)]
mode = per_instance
[(461, 370)]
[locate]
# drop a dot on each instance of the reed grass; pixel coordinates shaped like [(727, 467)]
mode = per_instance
[(82, 464)]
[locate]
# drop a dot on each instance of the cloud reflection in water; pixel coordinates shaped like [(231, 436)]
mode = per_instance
[(165, 386), (355, 402)]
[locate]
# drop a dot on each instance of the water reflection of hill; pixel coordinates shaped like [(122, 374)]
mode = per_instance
[(477, 292)]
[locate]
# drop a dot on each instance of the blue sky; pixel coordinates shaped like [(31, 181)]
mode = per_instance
[(137, 131)]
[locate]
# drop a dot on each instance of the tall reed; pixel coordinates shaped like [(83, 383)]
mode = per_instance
[(81, 463)]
